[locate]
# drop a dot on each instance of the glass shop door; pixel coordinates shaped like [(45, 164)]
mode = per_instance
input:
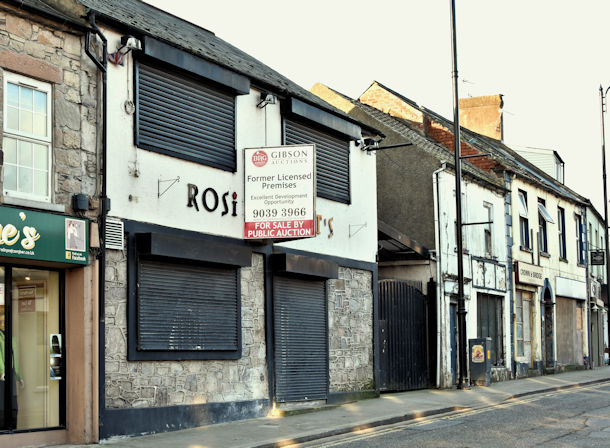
[(32, 388)]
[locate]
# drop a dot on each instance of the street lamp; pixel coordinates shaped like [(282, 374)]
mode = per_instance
[(602, 96), (462, 352)]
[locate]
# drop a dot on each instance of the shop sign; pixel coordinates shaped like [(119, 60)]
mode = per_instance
[(597, 258), (567, 287), (279, 196), (529, 274), (43, 236)]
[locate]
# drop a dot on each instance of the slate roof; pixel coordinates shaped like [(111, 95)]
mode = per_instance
[(503, 154), (411, 134), (148, 20)]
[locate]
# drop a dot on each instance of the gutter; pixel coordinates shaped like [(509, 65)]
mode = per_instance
[(104, 207), (439, 280)]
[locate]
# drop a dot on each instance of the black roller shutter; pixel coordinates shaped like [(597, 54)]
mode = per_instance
[(183, 307), (301, 335), (184, 118), (332, 159)]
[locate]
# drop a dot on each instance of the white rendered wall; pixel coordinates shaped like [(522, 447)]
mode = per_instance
[(134, 175), (473, 197)]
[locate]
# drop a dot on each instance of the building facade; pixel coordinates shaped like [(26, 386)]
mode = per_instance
[(200, 324), (416, 197), (49, 243)]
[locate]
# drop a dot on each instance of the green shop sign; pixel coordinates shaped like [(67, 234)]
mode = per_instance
[(43, 236)]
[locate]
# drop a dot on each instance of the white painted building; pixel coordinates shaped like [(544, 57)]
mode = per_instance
[(485, 271), (197, 319)]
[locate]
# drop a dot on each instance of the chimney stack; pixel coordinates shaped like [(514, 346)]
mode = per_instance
[(483, 114)]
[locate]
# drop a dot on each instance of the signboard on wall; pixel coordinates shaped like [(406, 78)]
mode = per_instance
[(597, 258), (43, 236), (279, 192), (529, 274)]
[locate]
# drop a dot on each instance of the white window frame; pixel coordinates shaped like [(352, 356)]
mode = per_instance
[(47, 140), (489, 211)]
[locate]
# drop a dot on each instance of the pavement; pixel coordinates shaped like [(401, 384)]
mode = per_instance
[(273, 431)]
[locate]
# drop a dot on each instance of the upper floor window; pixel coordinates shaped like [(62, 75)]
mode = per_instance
[(524, 226), (561, 228), (184, 117), (544, 217), (27, 136), (332, 159), (580, 240), (487, 229)]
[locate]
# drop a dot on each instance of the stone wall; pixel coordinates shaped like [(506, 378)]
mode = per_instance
[(46, 52), (163, 383), (350, 329)]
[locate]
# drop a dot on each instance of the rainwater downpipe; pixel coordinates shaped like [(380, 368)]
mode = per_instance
[(102, 67), (439, 280)]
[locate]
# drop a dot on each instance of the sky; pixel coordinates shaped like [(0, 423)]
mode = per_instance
[(548, 59)]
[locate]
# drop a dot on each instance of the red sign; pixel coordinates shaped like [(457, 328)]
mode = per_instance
[(280, 229)]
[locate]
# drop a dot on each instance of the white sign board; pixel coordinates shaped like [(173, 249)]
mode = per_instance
[(279, 196)]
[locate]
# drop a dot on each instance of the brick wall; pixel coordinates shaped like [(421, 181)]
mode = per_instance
[(379, 98)]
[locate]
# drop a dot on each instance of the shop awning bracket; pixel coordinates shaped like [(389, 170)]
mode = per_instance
[(357, 228), (159, 182)]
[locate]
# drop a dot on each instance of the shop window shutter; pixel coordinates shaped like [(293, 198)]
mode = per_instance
[(182, 307), (185, 118), (332, 159)]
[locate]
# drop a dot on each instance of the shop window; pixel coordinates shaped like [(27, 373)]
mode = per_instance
[(490, 325), (332, 159), (524, 227), (561, 228), (184, 117), (27, 133), (519, 322), (33, 345), (187, 311)]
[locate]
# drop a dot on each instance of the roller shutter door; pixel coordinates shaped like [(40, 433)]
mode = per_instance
[(301, 335), (184, 118), (332, 159), (182, 307)]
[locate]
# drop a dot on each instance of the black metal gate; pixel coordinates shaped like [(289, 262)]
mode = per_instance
[(403, 338), (301, 339)]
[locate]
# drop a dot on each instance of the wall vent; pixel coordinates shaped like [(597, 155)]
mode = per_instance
[(114, 234)]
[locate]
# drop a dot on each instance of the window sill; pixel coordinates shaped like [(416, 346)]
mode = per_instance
[(563, 260), (545, 254), (581, 265), (526, 249), (9, 200)]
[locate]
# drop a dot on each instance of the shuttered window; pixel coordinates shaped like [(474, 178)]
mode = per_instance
[(186, 308), (332, 159), (184, 118)]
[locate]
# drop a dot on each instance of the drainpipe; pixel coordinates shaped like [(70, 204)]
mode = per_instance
[(104, 207), (439, 279), (588, 298)]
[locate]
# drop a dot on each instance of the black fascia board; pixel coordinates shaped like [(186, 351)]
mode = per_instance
[(286, 263), (194, 64), (172, 246), (300, 109)]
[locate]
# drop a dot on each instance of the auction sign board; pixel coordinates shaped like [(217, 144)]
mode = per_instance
[(280, 193)]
